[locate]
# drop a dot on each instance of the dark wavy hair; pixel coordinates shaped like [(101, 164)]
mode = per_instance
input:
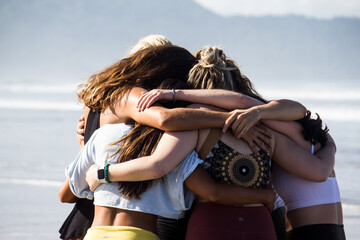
[(142, 141), (313, 129)]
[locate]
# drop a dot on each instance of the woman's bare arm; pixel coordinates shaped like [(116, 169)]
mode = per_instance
[(300, 162), (200, 183), (282, 109), (240, 120), (65, 194), (172, 148), (176, 119), (217, 97)]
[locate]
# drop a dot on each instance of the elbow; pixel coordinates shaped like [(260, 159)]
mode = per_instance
[(158, 173), (66, 197), (324, 172), (246, 101), (302, 110), (159, 169), (164, 121), (213, 196), (318, 178), (62, 198), (321, 176)]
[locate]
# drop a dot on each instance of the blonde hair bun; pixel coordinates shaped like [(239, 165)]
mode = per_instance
[(213, 57)]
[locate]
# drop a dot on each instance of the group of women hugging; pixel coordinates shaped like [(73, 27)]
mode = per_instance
[(181, 146)]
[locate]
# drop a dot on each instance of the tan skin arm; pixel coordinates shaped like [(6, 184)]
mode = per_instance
[(300, 162), (240, 120), (201, 184), (176, 119), (65, 194)]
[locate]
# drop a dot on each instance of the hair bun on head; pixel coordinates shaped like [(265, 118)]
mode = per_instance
[(210, 57), (213, 57)]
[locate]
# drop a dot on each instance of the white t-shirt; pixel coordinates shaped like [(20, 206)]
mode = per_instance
[(167, 197)]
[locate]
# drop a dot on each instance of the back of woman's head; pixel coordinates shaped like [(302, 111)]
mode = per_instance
[(215, 71), (146, 68), (150, 41)]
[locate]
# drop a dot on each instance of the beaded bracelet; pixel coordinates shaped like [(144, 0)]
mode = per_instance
[(106, 169)]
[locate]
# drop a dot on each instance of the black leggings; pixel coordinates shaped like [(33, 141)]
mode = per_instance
[(317, 232)]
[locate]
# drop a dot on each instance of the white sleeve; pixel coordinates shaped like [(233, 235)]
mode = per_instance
[(76, 171)]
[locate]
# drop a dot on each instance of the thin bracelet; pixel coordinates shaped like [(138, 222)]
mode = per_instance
[(174, 97), (331, 141), (106, 171)]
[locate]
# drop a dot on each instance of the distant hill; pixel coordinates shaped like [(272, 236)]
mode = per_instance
[(66, 40)]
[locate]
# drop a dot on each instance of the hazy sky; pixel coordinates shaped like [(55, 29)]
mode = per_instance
[(310, 8)]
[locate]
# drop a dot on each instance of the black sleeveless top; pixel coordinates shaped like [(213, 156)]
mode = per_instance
[(82, 215)]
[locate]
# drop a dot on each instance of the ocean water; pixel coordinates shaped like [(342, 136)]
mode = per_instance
[(37, 141)]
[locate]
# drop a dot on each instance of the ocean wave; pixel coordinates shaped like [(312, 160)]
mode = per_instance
[(336, 113), (338, 93), (39, 88), (35, 182), (39, 105), (305, 94)]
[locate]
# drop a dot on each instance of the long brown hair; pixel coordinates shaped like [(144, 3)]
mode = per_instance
[(146, 68), (142, 141)]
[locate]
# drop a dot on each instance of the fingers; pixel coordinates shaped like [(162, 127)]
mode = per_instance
[(80, 130), (229, 122), (261, 128), (262, 141), (143, 100), (262, 145), (80, 137), (152, 99), (265, 142), (241, 129), (147, 99), (82, 118), (140, 101), (252, 147)]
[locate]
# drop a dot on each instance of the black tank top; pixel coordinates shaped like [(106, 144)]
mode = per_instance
[(82, 215)]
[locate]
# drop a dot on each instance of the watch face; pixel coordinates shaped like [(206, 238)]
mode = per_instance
[(101, 173)]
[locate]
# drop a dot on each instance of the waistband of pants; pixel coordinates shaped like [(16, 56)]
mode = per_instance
[(119, 232)]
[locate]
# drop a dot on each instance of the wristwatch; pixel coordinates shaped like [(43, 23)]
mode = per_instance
[(101, 175)]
